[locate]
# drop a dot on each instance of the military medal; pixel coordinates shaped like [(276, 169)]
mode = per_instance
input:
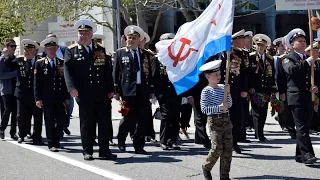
[(45, 71)]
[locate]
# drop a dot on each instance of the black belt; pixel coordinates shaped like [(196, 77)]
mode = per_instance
[(222, 115)]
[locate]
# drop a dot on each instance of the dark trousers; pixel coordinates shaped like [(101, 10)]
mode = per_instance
[(302, 115), (186, 111), (69, 113), (315, 123), (27, 109), (149, 123), (54, 114), (1, 106), (201, 136), (259, 115), (90, 114), (286, 118), (10, 107), (135, 121), (169, 128), (236, 116), (243, 132)]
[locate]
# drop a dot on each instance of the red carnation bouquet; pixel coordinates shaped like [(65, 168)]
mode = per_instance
[(124, 111), (260, 99), (275, 105)]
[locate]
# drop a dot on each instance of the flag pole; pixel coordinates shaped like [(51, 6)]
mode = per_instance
[(225, 97), (311, 50)]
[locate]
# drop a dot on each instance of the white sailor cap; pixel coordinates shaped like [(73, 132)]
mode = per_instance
[(147, 37), (98, 36), (29, 43), (293, 34), (315, 46), (85, 24), (248, 34), (283, 40), (212, 66), (277, 41), (262, 38), (49, 42), (317, 39), (166, 36), (239, 34), (134, 31)]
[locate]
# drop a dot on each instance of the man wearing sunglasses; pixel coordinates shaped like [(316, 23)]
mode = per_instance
[(8, 75)]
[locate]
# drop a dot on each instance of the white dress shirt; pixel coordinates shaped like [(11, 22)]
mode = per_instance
[(87, 48), (139, 72)]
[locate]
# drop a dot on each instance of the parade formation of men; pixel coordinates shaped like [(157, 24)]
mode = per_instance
[(43, 87)]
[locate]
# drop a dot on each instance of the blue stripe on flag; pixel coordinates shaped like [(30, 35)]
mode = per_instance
[(212, 48)]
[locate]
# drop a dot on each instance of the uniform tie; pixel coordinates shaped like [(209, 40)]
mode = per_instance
[(53, 65), (136, 60), (90, 51)]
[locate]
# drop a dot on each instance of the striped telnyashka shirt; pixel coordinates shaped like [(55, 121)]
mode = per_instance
[(212, 98)]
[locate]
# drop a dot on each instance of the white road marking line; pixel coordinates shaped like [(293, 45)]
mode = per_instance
[(79, 164), (316, 146)]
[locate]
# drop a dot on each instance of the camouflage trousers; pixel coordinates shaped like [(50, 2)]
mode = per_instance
[(221, 144)]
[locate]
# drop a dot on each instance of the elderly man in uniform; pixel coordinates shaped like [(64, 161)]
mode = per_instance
[(238, 85), (89, 80), (298, 71), (24, 92), (50, 92), (263, 83), (314, 122), (285, 117), (247, 120), (98, 38), (133, 83), (169, 103)]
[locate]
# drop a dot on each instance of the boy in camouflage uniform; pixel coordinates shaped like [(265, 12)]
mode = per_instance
[(212, 105)]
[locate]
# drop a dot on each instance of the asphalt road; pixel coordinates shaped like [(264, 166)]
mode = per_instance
[(273, 159)]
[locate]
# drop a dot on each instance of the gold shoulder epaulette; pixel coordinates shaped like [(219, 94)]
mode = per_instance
[(99, 44), (73, 45), (122, 48), (60, 59), (269, 56), (281, 56), (252, 53), (41, 59), (20, 56)]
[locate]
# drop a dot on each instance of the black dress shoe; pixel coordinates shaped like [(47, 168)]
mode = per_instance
[(95, 143), (208, 145), (262, 139), (108, 156), (111, 143), (225, 178), (207, 174), (66, 130), (87, 157), (2, 134), (122, 147), (293, 136), (53, 149), (164, 146), (174, 146), (14, 137), (20, 140), (310, 160), (237, 149), (140, 151), (245, 141)]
